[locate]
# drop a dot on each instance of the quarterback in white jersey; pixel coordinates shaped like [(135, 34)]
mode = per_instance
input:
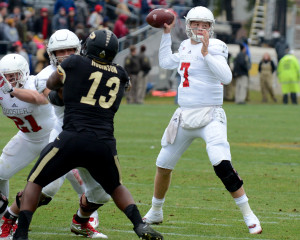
[(31, 113), (201, 62)]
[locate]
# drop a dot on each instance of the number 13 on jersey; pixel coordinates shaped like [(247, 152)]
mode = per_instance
[(185, 66)]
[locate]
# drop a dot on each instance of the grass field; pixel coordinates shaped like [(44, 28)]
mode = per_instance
[(265, 148)]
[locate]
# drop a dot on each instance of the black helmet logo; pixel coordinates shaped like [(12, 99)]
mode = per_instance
[(92, 35)]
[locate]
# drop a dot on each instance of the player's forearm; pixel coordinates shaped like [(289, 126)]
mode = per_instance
[(55, 81), (30, 96)]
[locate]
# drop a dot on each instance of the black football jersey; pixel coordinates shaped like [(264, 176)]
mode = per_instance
[(92, 94)]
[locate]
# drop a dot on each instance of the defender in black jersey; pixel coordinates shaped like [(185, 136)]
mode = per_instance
[(93, 89)]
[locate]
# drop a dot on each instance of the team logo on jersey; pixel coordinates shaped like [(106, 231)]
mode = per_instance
[(14, 105), (190, 52), (1, 98)]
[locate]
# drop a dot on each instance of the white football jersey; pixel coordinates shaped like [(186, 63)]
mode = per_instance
[(43, 76), (202, 78), (34, 121)]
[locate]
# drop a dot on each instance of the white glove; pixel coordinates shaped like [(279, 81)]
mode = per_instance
[(40, 84), (5, 85)]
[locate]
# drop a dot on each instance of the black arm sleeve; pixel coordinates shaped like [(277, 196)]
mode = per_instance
[(55, 99)]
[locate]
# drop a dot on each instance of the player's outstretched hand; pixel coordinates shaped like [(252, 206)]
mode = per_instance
[(5, 85)]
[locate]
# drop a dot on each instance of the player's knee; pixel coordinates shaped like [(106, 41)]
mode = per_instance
[(228, 176), (44, 200), (163, 171), (87, 206), (3, 203), (52, 188)]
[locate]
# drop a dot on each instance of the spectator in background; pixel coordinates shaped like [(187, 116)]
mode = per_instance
[(3, 14), (229, 88), (120, 28), (30, 18), (21, 26), (81, 32), (72, 19), (66, 4), (82, 11), (146, 6), (105, 24), (241, 75), (43, 25), (16, 13), (19, 49), (3, 11), (143, 75), (42, 58), (180, 7), (288, 73), (31, 49), (281, 48), (266, 69), (60, 20), (95, 19), (30, 44), (122, 8), (132, 66), (10, 32), (15, 3)]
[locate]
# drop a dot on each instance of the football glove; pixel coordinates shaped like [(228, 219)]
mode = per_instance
[(5, 85), (40, 84)]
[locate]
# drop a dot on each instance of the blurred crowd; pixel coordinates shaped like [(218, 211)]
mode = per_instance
[(25, 29)]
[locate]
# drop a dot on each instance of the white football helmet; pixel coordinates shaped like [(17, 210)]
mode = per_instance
[(17, 65), (202, 14), (62, 39)]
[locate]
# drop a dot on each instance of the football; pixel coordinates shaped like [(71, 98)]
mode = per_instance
[(157, 17)]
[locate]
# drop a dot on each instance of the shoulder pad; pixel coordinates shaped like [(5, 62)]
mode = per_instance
[(217, 47), (183, 44), (30, 83)]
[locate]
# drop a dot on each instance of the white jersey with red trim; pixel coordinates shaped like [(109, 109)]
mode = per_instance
[(34, 121), (202, 78), (59, 111)]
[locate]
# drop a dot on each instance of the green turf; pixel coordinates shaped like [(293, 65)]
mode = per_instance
[(265, 148)]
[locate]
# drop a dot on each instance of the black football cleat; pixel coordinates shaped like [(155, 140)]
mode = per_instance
[(144, 231), (20, 238)]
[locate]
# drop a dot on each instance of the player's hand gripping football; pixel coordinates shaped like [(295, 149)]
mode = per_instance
[(205, 42), (5, 85), (167, 27)]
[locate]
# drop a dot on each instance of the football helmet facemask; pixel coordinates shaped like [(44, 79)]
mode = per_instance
[(18, 66), (62, 39), (101, 45), (200, 14)]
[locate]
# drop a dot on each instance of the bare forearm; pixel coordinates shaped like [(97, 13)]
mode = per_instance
[(55, 81), (30, 96)]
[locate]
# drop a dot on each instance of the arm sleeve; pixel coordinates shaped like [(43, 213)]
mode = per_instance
[(273, 66), (220, 68), (167, 59), (259, 66)]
